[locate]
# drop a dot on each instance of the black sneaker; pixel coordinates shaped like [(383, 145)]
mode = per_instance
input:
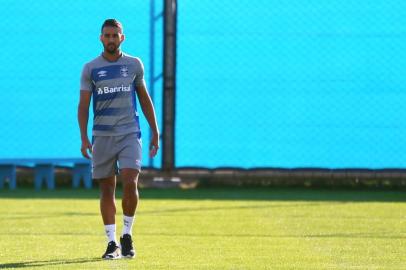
[(112, 251), (127, 249)]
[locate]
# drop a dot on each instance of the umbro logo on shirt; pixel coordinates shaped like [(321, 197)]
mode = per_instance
[(102, 73)]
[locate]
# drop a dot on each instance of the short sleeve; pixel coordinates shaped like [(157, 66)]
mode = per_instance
[(139, 78), (85, 80)]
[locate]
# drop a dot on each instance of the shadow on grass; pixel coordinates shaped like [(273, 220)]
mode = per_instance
[(265, 193), (253, 235), (31, 216), (47, 263), (202, 234), (165, 210)]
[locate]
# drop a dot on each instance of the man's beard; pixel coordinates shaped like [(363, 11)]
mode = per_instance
[(111, 48)]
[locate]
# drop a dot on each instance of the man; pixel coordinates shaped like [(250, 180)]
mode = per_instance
[(114, 79)]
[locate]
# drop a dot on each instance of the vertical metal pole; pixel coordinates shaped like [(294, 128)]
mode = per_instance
[(169, 85), (151, 61)]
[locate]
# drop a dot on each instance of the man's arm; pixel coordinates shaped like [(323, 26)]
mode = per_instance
[(83, 118), (149, 112)]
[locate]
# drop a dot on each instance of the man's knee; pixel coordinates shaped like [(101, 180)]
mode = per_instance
[(108, 187), (129, 176)]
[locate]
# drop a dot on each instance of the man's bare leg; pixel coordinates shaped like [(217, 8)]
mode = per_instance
[(107, 199), (129, 203), (130, 191), (108, 212)]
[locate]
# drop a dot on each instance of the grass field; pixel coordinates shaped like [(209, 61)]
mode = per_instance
[(209, 229)]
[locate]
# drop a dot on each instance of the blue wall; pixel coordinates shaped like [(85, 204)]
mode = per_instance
[(291, 83), (260, 83), (44, 47)]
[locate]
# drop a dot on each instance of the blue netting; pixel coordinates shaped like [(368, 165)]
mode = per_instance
[(47, 44), (291, 83), (260, 83)]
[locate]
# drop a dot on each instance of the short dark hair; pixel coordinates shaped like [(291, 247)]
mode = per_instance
[(112, 23)]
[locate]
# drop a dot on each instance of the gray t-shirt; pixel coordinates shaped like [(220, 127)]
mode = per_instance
[(113, 86)]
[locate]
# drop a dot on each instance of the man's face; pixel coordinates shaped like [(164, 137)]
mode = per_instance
[(111, 39)]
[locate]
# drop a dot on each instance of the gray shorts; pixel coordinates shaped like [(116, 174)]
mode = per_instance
[(107, 151)]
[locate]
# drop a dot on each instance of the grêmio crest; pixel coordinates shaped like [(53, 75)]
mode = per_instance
[(124, 71)]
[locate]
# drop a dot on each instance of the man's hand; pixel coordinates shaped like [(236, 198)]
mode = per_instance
[(86, 145), (154, 145)]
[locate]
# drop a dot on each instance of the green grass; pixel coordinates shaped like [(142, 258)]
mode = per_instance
[(209, 229)]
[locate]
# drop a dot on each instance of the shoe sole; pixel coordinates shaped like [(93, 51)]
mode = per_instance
[(128, 257), (113, 258)]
